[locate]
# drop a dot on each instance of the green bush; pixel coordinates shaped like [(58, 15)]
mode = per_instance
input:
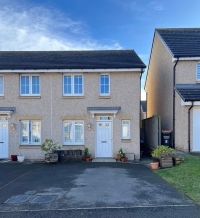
[(162, 151), (49, 146)]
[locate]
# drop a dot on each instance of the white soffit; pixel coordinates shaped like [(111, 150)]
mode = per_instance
[(97, 112)]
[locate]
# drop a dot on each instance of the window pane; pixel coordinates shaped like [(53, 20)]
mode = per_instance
[(104, 84), (78, 131), (36, 130), (67, 85), (35, 85), (78, 84), (68, 132), (126, 129), (25, 85), (25, 132), (1, 85)]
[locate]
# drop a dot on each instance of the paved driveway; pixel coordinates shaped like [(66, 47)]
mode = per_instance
[(34, 186)]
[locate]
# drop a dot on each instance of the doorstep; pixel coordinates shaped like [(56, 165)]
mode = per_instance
[(104, 160)]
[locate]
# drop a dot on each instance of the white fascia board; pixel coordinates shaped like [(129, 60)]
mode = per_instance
[(186, 59), (72, 70), (93, 112), (188, 103)]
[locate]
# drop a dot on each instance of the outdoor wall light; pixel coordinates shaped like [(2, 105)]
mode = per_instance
[(13, 127), (89, 126)]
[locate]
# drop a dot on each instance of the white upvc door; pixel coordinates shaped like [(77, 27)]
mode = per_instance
[(3, 139), (196, 128), (104, 139)]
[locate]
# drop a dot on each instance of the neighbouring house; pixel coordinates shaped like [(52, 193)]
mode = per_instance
[(78, 98), (173, 85)]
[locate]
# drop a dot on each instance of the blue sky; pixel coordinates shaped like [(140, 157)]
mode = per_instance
[(91, 24)]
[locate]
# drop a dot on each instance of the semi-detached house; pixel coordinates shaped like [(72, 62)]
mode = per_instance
[(78, 98)]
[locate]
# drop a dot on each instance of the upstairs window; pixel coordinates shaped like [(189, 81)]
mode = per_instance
[(72, 85), (29, 85), (198, 72), (1, 86), (104, 84)]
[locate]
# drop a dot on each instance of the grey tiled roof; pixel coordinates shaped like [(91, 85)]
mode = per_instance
[(96, 59), (182, 42), (188, 92), (102, 108)]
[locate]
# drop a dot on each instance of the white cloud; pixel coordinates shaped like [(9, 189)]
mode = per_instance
[(31, 27), (159, 8)]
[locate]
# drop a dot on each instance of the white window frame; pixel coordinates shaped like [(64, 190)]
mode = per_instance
[(73, 133), (129, 136), (198, 71), (72, 85), (104, 94), (30, 142), (2, 94), (30, 85)]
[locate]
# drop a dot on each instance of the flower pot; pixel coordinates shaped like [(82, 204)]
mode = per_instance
[(154, 165), (83, 159), (20, 158), (87, 159), (118, 156), (14, 157)]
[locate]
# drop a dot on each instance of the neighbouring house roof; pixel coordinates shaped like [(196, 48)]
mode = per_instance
[(182, 42), (96, 59), (144, 106), (188, 92)]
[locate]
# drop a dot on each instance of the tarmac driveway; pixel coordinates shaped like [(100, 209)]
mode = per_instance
[(37, 186)]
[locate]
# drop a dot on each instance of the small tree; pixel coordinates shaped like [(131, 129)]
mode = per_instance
[(49, 146)]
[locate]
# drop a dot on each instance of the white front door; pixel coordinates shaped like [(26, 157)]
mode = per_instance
[(3, 139), (196, 128), (104, 139)]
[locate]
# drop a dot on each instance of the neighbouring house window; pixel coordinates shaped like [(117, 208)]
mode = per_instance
[(1, 85), (125, 129), (73, 132), (198, 71), (104, 85), (30, 132), (73, 85), (29, 85)]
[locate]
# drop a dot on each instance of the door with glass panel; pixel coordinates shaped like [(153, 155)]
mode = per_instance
[(104, 139), (3, 139)]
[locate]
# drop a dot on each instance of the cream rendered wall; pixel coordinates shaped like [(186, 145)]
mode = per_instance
[(185, 74), (52, 108), (159, 84)]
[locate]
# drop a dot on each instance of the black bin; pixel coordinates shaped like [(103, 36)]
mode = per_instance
[(166, 138)]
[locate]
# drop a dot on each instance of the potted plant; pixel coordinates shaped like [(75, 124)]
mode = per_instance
[(163, 154), (87, 154), (50, 147), (119, 155)]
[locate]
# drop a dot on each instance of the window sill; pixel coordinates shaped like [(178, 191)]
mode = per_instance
[(29, 97), (30, 146), (72, 145), (1, 97), (125, 140), (104, 97), (73, 97)]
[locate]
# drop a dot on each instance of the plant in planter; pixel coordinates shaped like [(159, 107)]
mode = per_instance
[(50, 147), (87, 154), (121, 156), (164, 155), (20, 158)]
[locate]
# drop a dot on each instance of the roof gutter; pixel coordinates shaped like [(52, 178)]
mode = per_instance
[(186, 59), (189, 125), (174, 82), (71, 70)]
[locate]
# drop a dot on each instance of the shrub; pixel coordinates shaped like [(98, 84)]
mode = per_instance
[(49, 146), (162, 151)]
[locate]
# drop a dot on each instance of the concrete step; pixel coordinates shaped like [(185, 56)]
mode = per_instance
[(104, 160)]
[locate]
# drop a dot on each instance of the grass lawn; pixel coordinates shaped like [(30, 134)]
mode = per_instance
[(185, 177)]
